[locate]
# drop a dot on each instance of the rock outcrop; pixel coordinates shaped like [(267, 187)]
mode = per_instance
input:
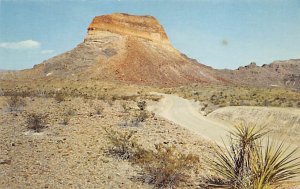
[(125, 48), (136, 50), (146, 27)]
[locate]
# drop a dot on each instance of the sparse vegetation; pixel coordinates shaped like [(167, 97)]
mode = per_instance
[(15, 103), (141, 105), (70, 112), (249, 163), (99, 110), (122, 143), (165, 166), (134, 122), (142, 116), (162, 165), (213, 97), (36, 122), (66, 120), (60, 97), (125, 107)]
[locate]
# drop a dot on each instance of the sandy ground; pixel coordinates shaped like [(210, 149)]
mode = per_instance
[(283, 123), (215, 126), (75, 155), (187, 114)]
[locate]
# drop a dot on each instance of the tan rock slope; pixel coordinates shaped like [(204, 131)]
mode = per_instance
[(127, 48), (277, 74)]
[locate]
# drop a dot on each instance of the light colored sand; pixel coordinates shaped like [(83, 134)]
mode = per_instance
[(284, 123), (187, 114)]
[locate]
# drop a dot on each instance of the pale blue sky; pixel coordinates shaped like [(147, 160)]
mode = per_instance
[(218, 33)]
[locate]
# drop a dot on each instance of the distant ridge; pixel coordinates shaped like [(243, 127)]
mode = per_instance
[(282, 73)]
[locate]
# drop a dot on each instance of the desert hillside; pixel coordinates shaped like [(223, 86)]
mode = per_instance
[(125, 109), (277, 74), (136, 50), (124, 48)]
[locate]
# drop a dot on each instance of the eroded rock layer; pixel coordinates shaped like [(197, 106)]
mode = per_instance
[(146, 27)]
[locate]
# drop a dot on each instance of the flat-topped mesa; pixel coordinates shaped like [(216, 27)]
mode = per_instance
[(146, 27)]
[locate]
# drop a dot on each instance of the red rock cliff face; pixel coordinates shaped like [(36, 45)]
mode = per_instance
[(146, 27)]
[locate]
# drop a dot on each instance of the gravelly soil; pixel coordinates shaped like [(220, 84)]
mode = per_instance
[(74, 155)]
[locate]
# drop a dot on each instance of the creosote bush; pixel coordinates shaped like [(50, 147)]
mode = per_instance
[(251, 163), (122, 143), (70, 112), (141, 105), (65, 120), (165, 166), (60, 97), (99, 110), (36, 122), (15, 103), (134, 122), (125, 107), (142, 116)]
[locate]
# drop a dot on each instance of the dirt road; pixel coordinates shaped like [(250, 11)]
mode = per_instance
[(186, 113)]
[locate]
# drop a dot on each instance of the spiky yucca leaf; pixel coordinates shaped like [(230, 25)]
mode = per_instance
[(274, 164), (226, 165), (232, 164), (247, 135), (247, 164)]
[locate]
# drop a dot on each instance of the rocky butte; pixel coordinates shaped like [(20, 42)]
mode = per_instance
[(125, 48), (136, 50), (146, 27)]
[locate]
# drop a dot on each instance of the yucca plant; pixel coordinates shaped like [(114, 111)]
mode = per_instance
[(246, 163), (274, 164)]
